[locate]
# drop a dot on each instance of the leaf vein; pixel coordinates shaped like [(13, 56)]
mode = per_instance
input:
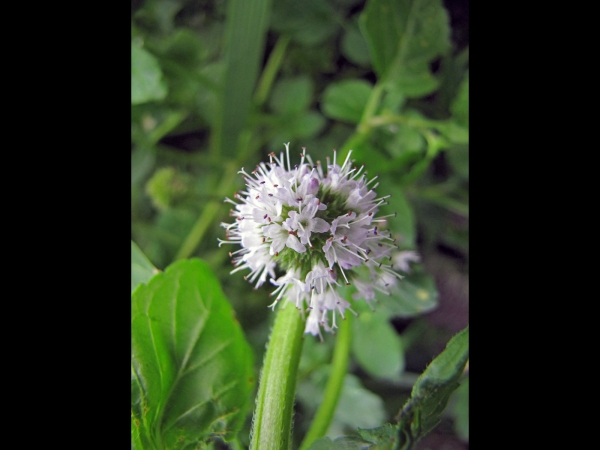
[(187, 412), (214, 353), (196, 335)]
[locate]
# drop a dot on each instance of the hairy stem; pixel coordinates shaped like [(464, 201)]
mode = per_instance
[(272, 421)]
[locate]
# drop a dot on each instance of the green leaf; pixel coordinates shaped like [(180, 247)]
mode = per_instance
[(309, 23), (368, 152), (146, 77), (139, 441), (383, 437), (422, 411), (431, 391), (460, 410), (307, 125), (141, 267), (414, 294), (184, 46), (346, 100), (191, 366), (403, 37), (292, 95), (299, 126), (357, 407), (376, 345), (415, 81), (406, 140), (341, 443), (393, 101), (354, 46), (159, 15)]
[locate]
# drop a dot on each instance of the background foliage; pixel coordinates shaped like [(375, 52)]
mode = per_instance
[(217, 85)]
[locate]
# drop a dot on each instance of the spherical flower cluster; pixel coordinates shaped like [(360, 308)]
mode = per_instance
[(318, 228)]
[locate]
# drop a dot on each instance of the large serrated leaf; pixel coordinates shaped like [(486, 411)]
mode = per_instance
[(432, 390), (292, 95), (141, 267), (191, 367), (403, 38)]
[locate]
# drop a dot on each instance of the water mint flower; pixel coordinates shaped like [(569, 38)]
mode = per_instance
[(319, 228)]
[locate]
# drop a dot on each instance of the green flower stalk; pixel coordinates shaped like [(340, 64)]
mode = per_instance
[(272, 420)]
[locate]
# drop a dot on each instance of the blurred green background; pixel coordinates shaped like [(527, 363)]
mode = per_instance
[(217, 85)]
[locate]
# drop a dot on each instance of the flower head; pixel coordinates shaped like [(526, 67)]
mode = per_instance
[(319, 227)]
